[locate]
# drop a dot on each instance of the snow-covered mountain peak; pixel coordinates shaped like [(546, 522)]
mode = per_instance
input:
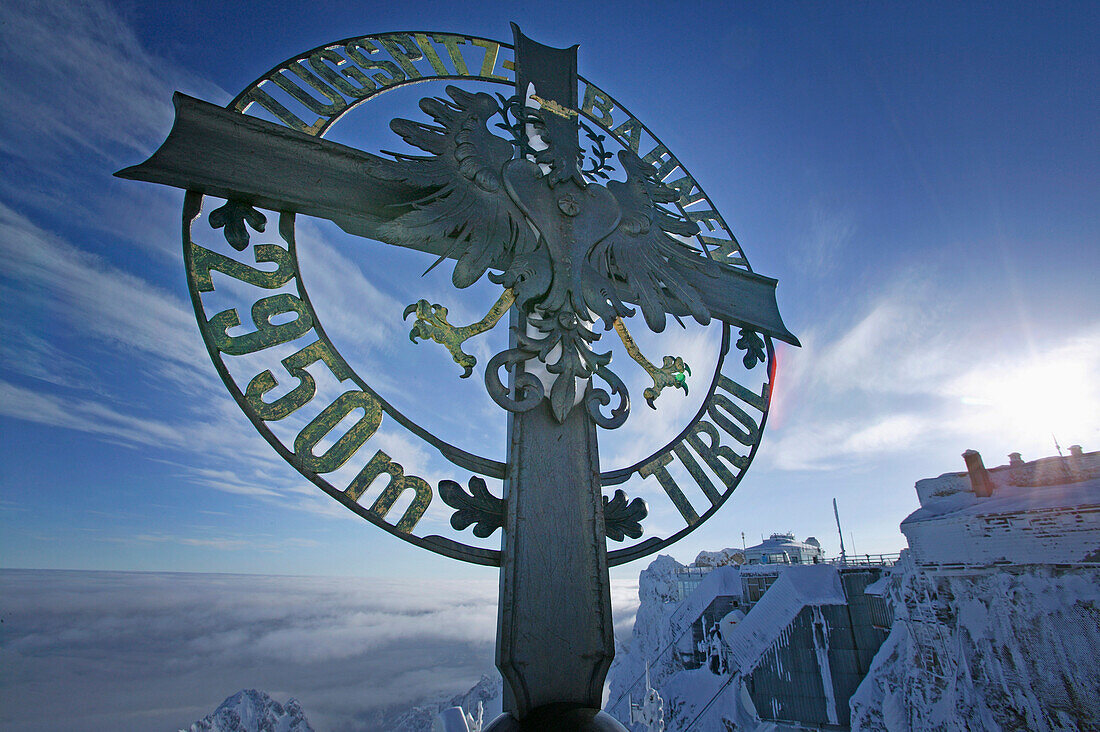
[(250, 710)]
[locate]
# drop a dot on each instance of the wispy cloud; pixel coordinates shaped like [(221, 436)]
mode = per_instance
[(907, 374), (827, 233), (81, 97), (107, 310), (101, 91), (223, 543), (92, 295)]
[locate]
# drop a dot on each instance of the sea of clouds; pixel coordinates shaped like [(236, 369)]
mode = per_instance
[(144, 651)]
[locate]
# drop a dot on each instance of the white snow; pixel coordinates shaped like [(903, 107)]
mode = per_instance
[(254, 711), (797, 587), (1042, 512), (421, 718), (996, 606), (821, 650), (719, 701), (992, 650)]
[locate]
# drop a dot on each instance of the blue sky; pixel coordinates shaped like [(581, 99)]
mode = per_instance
[(922, 180)]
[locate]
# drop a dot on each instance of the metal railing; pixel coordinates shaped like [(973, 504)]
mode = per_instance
[(865, 560)]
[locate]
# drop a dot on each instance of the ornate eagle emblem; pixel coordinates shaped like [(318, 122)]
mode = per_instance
[(573, 249)]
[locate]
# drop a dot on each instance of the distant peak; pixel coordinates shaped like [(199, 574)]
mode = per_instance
[(250, 710)]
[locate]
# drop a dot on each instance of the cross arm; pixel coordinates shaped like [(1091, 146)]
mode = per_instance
[(221, 153), (742, 299)]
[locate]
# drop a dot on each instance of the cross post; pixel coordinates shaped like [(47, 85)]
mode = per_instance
[(555, 636)]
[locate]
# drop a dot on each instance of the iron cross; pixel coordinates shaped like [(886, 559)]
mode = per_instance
[(568, 250)]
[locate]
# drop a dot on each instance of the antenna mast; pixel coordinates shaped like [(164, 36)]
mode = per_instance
[(836, 513)]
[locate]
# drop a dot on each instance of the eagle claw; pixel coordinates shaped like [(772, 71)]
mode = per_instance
[(671, 374), (431, 323)]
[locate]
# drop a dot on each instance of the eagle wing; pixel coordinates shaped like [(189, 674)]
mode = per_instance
[(455, 203), (647, 264), (451, 203)]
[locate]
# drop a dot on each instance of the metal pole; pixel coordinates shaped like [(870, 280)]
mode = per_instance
[(836, 513)]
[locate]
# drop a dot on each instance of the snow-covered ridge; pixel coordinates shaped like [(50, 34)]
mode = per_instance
[(996, 604), (254, 711), (488, 692), (986, 651)]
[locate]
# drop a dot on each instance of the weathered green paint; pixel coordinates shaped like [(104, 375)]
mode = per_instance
[(348, 443), (398, 484), (671, 372), (303, 392), (204, 262), (657, 469), (267, 334), (431, 322)]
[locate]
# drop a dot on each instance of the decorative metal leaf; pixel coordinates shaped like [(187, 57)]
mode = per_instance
[(599, 165), (576, 359), (478, 507), (232, 217), (621, 518), (753, 345)]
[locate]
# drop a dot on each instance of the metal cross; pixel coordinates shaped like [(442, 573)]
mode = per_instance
[(555, 638)]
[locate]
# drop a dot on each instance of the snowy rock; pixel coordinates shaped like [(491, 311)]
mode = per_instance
[(653, 634), (489, 691), (986, 651), (719, 559), (254, 711), (662, 630)]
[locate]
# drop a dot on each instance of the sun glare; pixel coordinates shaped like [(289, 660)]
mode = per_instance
[(1037, 399)]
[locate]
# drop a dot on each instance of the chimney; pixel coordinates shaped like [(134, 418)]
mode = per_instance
[(980, 481), (1076, 462), (1017, 471)]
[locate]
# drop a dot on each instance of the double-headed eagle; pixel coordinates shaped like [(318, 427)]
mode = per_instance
[(527, 212)]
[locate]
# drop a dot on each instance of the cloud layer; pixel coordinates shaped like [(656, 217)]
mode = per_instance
[(116, 650)]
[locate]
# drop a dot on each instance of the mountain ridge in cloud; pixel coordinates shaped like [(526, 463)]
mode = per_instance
[(250, 710)]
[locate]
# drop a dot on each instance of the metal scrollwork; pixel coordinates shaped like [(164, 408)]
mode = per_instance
[(576, 360), (478, 507), (597, 398), (528, 388), (550, 226), (622, 519)]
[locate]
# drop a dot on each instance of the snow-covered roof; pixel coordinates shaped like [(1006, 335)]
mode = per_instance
[(797, 587), (1043, 512), (718, 582), (1008, 498), (878, 587), (1023, 478)]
